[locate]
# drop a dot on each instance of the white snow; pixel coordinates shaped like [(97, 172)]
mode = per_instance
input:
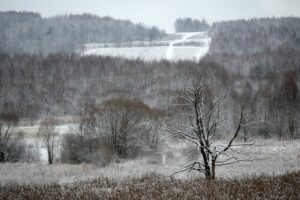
[(171, 49), (61, 129), (145, 53), (185, 38)]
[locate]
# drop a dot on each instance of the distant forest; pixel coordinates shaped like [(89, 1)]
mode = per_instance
[(190, 25), (56, 85), (28, 32), (255, 35), (256, 46)]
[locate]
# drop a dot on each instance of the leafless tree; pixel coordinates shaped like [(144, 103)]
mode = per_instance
[(7, 123), (206, 118), (153, 130), (289, 92), (49, 133), (82, 142)]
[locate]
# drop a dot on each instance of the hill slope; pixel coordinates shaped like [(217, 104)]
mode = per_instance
[(27, 32), (254, 47)]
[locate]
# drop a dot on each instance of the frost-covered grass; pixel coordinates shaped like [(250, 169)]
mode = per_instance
[(274, 173), (270, 157), (154, 186)]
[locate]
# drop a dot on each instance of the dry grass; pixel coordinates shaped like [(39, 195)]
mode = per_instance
[(156, 186), (130, 179)]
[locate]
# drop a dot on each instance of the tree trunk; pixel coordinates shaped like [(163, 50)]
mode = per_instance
[(50, 158), (2, 157), (207, 173), (213, 169), (245, 134), (206, 164), (291, 121)]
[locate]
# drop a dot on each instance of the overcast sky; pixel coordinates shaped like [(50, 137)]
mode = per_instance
[(160, 12)]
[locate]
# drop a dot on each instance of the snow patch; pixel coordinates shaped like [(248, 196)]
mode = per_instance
[(191, 46)]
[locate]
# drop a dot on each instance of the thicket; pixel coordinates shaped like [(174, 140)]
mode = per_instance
[(117, 128), (190, 25)]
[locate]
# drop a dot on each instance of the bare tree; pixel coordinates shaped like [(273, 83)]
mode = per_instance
[(289, 92), (82, 143), (48, 133), (7, 123), (206, 118), (153, 130)]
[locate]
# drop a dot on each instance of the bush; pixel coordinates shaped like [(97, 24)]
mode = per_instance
[(77, 150)]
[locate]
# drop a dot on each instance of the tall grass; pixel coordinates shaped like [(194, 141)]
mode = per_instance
[(154, 186)]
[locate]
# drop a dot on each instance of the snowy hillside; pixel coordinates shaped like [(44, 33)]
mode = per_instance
[(190, 46)]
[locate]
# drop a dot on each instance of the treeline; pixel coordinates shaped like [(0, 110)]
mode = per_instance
[(258, 64), (28, 32), (34, 86), (190, 25)]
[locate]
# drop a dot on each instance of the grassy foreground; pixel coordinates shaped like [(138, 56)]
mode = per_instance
[(154, 186)]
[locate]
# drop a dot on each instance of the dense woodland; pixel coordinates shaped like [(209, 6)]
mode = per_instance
[(257, 45), (266, 53), (28, 32), (255, 35), (36, 86)]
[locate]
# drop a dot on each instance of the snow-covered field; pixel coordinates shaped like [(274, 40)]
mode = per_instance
[(191, 46), (31, 131), (270, 157)]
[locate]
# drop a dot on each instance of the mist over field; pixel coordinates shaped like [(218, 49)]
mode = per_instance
[(140, 100)]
